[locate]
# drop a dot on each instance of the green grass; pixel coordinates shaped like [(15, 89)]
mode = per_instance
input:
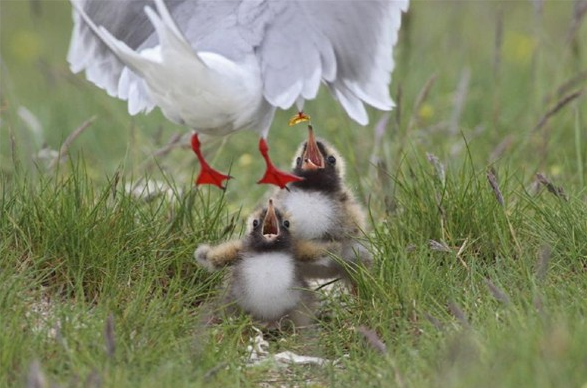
[(465, 291)]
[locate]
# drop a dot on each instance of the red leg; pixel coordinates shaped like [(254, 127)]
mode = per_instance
[(207, 176), (272, 174)]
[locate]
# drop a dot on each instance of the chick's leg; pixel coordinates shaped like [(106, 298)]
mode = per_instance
[(214, 258)]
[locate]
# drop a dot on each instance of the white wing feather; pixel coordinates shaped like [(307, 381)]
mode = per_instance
[(299, 44), (346, 44)]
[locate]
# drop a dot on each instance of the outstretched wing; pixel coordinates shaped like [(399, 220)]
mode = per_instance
[(127, 21), (207, 25), (347, 44)]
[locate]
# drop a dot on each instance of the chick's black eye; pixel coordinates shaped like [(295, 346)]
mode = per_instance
[(331, 159), (255, 223), (286, 223), (298, 161)]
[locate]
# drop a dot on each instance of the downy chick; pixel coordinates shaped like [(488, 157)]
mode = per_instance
[(324, 209), (265, 280)]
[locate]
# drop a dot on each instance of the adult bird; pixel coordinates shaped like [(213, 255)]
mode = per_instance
[(221, 66)]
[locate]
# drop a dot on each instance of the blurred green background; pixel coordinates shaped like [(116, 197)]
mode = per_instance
[(471, 77)]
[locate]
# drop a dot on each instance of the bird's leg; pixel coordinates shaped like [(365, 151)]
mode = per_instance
[(272, 174), (207, 176)]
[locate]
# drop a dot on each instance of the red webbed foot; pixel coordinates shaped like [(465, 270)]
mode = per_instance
[(273, 175), (207, 175)]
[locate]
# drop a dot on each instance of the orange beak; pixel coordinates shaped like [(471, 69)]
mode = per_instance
[(312, 158), (270, 223)]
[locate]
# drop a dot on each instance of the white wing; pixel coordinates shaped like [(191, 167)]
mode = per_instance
[(346, 44), (88, 52), (208, 25)]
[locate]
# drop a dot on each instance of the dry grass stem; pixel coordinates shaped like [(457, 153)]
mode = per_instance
[(458, 313), (64, 149), (559, 105), (497, 293), (498, 43), (459, 101), (383, 176), (501, 148), (176, 140), (420, 100), (459, 253), (109, 339), (556, 191), (438, 167), (378, 131), (544, 256), (434, 321), (579, 12), (495, 186), (570, 84), (372, 339), (439, 246)]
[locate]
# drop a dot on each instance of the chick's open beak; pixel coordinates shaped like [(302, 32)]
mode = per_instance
[(312, 158), (270, 222)]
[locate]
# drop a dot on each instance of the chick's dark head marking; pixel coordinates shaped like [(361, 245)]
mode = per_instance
[(269, 229), (320, 164)]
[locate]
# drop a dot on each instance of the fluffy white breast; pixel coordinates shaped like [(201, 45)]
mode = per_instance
[(267, 288), (312, 213)]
